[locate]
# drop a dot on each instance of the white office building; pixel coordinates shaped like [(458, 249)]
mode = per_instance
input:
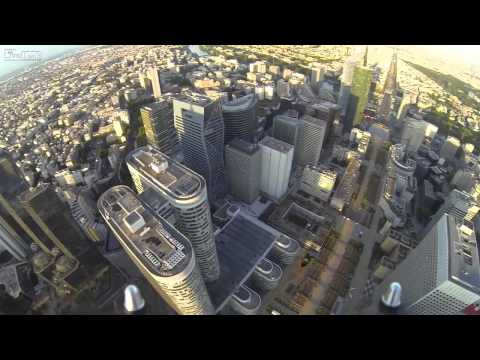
[(277, 159)]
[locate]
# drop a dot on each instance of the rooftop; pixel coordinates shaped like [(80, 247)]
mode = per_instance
[(157, 244), (194, 98), (314, 120), (276, 144), (241, 246), (243, 146), (243, 103), (176, 180)]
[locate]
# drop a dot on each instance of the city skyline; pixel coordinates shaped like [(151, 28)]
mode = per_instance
[(240, 180)]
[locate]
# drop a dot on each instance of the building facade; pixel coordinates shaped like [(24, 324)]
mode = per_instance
[(200, 129), (157, 121), (186, 191), (441, 275), (240, 118), (243, 163), (163, 255), (277, 159)]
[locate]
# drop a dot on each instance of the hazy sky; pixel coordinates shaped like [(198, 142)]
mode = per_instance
[(467, 54), (7, 64)]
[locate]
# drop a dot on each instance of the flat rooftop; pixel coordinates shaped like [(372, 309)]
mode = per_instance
[(241, 246), (194, 99), (178, 181), (243, 146), (276, 144), (314, 120), (243, 103), (159, 105), (159, 246)]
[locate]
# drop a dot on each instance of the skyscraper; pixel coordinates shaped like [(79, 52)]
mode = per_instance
[(389, 89), (449, 148), (18, 229), (313, 136), (290, 130), (391, 79), (346, 84), (362, 77), (157, 120), (441, 276), (277, 158), (199, 125), (154, 76), (243, 163), (186, 191), (68, 261), (163, 255), (240, 119), (317, 75)]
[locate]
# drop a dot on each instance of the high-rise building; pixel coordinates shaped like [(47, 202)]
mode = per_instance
[(157, 121), (154, 76), (318, 182), (391, 79), (240, 118), (407, 100), (284, 90), (449, 148), (14, 221), (313, 137), (441, 276), (187, 193), (413, 134), (346, 83), (317, 74), (68, 260), (362, 77), (163, 255), (277, 158), (199, 125), (290, 130), (243, 163)]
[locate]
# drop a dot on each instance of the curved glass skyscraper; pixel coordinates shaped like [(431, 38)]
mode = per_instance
[(199, 124), (187, 193), (162, 253)]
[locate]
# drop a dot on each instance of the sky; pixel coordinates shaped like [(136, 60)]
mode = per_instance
[(466, 54), (12, 60)]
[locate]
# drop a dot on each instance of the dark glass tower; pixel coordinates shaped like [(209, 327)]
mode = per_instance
[(240, 118), (157, 120), (200, 129)]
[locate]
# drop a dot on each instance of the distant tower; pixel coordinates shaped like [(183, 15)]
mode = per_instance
[(187, 193), (163, 255), (362, 78), (154, 76), (365, 57), (157, 120), (240, 119), (391, 80), (199, 125)]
